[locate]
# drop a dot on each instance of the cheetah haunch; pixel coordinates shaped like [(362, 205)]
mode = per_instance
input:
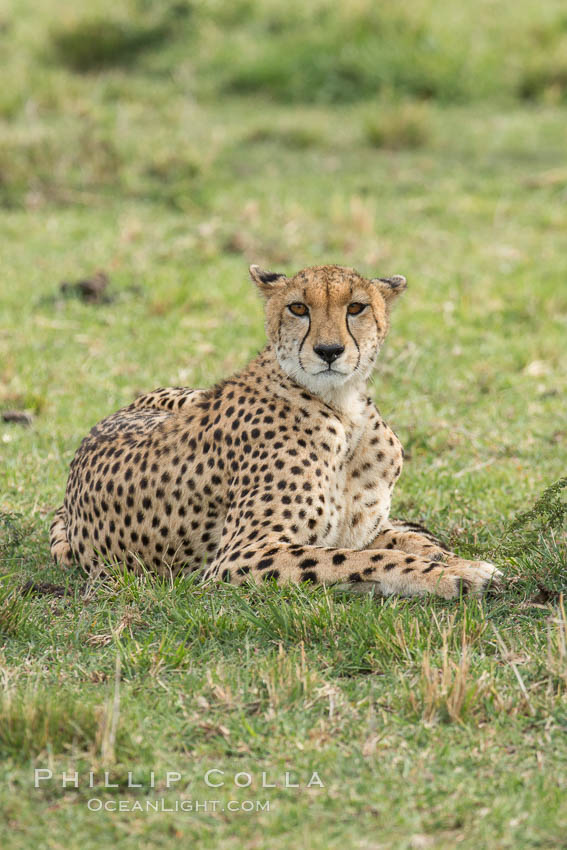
[(284, 471)]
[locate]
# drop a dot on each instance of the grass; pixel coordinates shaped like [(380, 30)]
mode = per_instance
[(95, 43), (430, 724), (398, 126)]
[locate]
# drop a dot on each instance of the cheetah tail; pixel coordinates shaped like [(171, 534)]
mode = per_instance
[(58, 540)]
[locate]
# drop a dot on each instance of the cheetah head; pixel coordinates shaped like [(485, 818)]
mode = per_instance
[(327, 323)]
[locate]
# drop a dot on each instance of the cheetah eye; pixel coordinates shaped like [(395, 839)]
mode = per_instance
[(355, 308), (298, 309)]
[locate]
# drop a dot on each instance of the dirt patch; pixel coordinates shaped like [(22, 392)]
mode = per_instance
[(18, 417), (92, 289)]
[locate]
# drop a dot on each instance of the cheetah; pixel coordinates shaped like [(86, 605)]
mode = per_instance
[(283, 472)]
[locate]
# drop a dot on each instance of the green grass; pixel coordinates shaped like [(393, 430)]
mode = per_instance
[(392, 138)]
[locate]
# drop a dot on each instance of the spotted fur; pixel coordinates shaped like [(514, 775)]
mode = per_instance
[(284, 471)]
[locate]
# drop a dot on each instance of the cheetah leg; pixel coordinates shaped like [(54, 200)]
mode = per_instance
[(411, 540), (403, 525), (389, 571), (58, 541), (165, 398), (416, 540)]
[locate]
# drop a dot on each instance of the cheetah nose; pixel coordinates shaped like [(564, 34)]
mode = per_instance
[(328, 353)]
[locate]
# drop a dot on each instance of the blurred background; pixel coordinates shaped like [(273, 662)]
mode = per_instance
[(149, 151)]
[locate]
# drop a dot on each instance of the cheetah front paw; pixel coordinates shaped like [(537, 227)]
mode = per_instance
[(475, 577)]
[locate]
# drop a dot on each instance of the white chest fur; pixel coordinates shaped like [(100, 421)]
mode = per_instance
[(369, 463)]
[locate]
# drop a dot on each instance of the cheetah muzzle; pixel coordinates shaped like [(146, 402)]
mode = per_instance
[(284, 471)]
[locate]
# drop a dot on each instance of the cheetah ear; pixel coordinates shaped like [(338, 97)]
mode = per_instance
[(390, 287), (267, 282)]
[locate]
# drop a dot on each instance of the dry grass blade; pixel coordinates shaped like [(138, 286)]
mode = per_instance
[(507, 656), (108, 724)]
